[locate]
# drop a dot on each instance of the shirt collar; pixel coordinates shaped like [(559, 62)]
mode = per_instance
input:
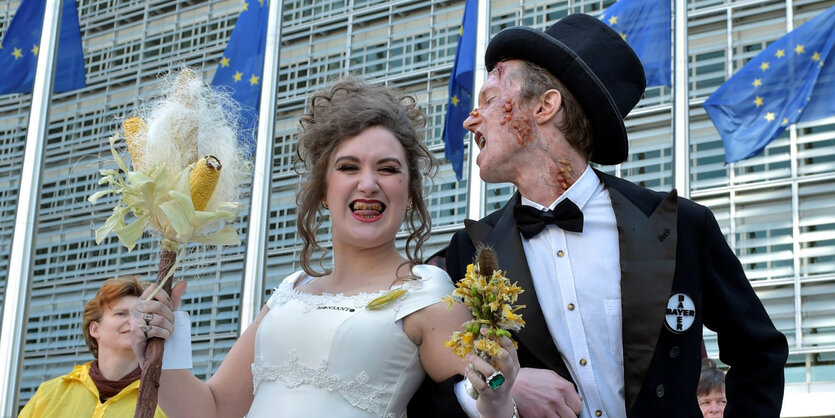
[(580, 192)]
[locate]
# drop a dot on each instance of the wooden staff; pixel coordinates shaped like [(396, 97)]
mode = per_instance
[(146, 404)]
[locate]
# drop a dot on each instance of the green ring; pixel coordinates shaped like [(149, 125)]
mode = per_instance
[(496, 380)]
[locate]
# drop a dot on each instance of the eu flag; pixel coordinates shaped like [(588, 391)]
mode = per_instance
[(645, 26), (242, 65), (19, 50), (461, 90), (790, 81)]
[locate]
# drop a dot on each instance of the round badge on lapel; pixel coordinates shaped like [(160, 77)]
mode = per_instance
[(681, 313)]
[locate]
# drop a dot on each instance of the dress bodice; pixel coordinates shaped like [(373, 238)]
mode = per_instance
[(328, 355)]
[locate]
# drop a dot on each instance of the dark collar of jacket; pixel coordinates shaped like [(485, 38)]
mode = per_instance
[(646, 223)]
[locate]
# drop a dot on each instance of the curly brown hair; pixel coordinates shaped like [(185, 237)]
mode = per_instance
[(111, 291), (534, 81), (343, 111)]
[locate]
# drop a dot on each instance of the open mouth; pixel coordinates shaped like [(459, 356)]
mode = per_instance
[(480, 140), (367, 209)]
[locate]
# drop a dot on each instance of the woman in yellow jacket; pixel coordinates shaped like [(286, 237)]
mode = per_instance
[(109, 385)]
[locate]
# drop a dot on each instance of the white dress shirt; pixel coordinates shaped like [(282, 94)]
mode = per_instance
[(577, 280), (576, 276)]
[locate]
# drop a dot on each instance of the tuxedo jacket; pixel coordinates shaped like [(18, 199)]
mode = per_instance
[(677, 274)]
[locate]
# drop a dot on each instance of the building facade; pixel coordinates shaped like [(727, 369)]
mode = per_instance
[(777, 209)]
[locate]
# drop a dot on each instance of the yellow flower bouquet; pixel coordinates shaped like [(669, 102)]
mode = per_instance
[(491, 297)]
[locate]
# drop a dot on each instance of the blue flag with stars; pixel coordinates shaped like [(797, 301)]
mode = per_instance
[(20, 47), (793, 80), (645, 26), (461, 90), (242, 65)]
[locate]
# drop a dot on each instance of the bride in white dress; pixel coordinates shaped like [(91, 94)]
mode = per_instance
[(354, 340)]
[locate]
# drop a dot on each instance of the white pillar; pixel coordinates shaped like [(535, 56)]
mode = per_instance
[(681, 103), (475, 187), (16, 302), (255, 261)]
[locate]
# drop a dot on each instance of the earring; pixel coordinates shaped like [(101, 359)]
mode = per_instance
[(325, 204), (409, 206)]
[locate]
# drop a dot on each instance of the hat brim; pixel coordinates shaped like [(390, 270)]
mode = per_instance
[(610, 144)]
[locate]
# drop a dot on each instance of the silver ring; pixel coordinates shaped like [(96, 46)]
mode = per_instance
[(496, 380), (468, 387), (148, 317), (145, 329)]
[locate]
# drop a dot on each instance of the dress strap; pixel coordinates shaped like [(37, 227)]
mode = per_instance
[(284, 289), (432, 285)]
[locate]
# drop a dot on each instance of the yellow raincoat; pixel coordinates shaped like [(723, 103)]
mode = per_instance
[(75, 395)]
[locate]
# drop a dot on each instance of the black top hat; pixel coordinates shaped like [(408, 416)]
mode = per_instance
[(596, 65)]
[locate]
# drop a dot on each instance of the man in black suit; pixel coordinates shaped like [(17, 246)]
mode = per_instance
[(618, 279)]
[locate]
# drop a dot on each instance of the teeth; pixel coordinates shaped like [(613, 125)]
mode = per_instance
[(367, 206)]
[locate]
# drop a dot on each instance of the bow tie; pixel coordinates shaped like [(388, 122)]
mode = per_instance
[(532, 221)]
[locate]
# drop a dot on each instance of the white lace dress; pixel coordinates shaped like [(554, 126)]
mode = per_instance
[(329, 356)]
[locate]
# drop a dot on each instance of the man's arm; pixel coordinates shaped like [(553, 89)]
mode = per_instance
[(538, 392), (459, 253), (748, 341), (544, 393), (436, 400)]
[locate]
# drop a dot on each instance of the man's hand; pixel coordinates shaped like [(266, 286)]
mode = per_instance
[(544, 393)]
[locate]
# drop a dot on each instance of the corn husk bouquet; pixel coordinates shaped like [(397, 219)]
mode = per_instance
[(181, 185), (491, 297)]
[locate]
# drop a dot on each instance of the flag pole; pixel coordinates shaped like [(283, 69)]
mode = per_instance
[(475, 187), (798, 301), (256, 243), (681, 103), (16, 301)]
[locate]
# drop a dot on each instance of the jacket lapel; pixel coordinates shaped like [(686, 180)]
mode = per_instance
[(647, 241), (647, 258), (505, 239)]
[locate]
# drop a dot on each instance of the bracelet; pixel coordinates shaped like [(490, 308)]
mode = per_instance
[(515, 411)]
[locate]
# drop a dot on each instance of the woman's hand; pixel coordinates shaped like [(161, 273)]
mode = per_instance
[(494, 402), (153, 318)]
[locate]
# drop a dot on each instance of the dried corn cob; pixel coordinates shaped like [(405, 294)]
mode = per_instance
[(182, 92), (184, 131), (134, 129), (203, 180), (383, 301)]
